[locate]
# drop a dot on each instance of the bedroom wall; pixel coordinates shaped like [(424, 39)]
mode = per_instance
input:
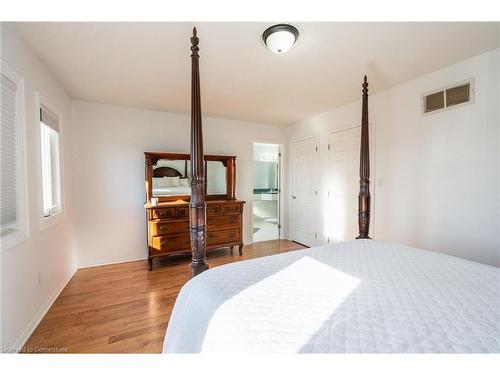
[(108, 164), (36, 270), (435, 178)]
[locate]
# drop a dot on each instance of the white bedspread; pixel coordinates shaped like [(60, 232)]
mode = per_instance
[(358, 296)]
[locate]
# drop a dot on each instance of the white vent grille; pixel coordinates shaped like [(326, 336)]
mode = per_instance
[(448, 97)]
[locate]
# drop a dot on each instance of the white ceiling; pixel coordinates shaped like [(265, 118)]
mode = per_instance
[(147, 64)]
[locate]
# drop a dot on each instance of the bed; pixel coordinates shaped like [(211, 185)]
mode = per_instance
[(360, 296)]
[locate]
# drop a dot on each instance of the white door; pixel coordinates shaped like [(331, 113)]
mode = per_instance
[(305, 182), (343, 173)]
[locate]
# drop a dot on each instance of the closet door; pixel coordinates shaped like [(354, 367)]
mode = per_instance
[(343, 173), (305, 185)]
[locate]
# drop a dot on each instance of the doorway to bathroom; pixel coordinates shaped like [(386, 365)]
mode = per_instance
[(266, 192)]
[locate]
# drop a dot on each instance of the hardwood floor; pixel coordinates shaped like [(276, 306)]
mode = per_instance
[(124, 308)]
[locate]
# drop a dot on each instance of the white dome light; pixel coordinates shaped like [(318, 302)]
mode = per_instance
[(280, 38)]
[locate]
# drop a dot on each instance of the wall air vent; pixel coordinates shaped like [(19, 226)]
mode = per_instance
[(448, 97)]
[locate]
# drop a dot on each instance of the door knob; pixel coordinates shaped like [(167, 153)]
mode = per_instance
[(294, 197)]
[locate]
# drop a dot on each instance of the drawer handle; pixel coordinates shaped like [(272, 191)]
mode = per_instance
[(211, 236), (163, 243), (162, 228)]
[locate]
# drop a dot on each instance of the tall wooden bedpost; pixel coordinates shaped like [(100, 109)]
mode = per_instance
[(364, 170), (197, 205)]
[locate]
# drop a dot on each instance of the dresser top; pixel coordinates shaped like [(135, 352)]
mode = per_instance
[(181, 203)]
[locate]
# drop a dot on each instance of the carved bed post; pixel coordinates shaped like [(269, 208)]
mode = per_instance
[(364, 170), (197, 205)]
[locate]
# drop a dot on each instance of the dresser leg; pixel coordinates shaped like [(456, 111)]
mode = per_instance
[(150, 261), (231, 250), (240, 249)]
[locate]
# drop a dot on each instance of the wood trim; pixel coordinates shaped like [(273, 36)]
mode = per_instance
[(364, 170), (161, 205), (205, 175), (167, 172), (197, 205)]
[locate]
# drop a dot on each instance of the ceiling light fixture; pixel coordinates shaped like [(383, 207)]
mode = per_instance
[(280, 38)]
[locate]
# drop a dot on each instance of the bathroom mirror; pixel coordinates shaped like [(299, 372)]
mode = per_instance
[(265, 175)]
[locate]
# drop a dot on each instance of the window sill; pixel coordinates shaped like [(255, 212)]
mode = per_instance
[(13, 239), (50, 221)]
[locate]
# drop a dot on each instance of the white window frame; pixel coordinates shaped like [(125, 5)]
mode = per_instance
[(47, 222), (12, 239), (472, 95)]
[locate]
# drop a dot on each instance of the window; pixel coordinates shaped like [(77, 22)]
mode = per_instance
[(13, 178), (9, 156), (450, 96), (49, 137)]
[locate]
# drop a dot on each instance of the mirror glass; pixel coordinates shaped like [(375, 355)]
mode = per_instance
[(265, 177), (216, 178), (171, 178)]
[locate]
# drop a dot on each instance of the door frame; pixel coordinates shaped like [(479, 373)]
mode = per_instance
[(292, 176), (281, 187)]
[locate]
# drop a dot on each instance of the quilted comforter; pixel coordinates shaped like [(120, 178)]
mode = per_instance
[(361, 296)]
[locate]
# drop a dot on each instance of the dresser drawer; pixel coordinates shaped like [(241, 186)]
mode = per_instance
[(164, 213), (230, 209), (183, 212), (213, 210), (223, 236), (223, 221), (159, 228), (172, 243)]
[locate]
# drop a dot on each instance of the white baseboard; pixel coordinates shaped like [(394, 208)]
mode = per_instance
[(105, 263), (30, 328)]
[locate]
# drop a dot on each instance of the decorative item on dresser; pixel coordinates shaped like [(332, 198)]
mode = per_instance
[(168, 181)]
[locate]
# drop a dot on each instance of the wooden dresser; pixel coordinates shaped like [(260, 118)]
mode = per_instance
[(168, 227), (168, 221)]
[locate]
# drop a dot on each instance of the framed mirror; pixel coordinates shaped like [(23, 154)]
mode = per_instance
[(168, 176)]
